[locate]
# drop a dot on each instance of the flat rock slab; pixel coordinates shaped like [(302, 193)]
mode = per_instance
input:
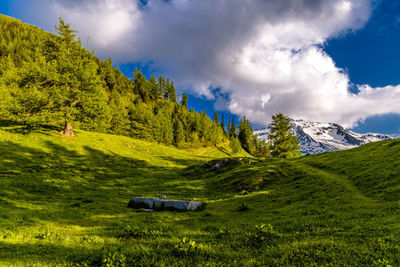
[(165, 204)]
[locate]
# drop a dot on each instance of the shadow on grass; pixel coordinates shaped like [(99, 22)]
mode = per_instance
[(25, 128), (63, 186), (184, 162), (223, 150)]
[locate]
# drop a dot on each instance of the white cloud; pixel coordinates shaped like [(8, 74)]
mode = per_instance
[(266, 55)]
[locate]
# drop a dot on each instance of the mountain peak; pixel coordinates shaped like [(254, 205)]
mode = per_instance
[(316, 137)]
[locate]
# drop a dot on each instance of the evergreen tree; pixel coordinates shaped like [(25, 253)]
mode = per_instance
[(47, 78), (232, 129), (284, 143), (184, 100), (179, 134), (172, 92), (153, 88), (141, 85), (235, 145), (246, 135), (74, 86), (161, 87), (108, 72), (260, 148), (216, 118), (223, 122)]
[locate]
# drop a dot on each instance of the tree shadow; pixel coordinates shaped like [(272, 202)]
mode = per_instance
[(223, 150), (25, 128), (184, 162), (44, 253), (66, 187)]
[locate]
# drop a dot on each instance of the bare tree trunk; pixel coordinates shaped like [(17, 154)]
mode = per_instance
[(68, 129)]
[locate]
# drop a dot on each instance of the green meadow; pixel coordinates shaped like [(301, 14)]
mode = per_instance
[(63, 202)]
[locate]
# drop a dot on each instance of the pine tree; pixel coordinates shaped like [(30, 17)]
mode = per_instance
[(232, 130), (75, 86), (172, 92), (246, 135), (216, 118), (161, 87), (284, 143), (223, 122), (184, 100), (179, 134), (141, 85), (166, 87), (153, 88), (235, 145), (108, 72)]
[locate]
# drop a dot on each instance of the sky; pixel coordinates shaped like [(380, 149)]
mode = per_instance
[(328, 61)]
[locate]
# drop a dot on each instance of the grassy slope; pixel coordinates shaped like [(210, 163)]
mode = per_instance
[(63, 201)]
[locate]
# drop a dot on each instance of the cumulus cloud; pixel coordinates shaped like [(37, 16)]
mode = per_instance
[(266, 56)]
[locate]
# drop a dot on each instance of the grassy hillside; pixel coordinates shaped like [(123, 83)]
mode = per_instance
[(63, 201), (51, 79)]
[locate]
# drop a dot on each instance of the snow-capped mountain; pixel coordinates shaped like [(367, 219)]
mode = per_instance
[(315, 137)]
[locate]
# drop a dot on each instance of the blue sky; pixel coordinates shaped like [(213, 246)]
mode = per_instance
[(301, 62)]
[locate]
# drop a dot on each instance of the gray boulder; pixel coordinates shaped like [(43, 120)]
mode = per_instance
[(165, 204)]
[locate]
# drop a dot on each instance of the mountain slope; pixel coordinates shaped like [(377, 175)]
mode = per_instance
[(315, 137), (64, 203), (51, 79)]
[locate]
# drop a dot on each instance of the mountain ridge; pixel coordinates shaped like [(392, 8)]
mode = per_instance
[(316, 137)]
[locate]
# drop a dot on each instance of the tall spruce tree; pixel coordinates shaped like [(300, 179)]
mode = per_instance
[(153, 88), (141, 85), (184, 100), (232, 129), (76, 87), (161, 87), (235, 145), (284, 143), (223, 122), (216, 118), (246, 135), (172, 92), (179, 133)]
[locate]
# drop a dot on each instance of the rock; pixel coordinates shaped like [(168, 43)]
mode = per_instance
[(165, 204)]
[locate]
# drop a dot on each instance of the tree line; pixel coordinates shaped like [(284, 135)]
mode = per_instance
[(52, 79)]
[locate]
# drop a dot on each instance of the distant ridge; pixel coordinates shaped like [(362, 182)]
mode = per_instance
[(316, 137)]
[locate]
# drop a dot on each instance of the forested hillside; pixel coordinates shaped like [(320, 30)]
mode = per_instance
[(51, 79)]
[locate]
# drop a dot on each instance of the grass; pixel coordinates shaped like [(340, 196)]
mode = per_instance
[(63, 202)]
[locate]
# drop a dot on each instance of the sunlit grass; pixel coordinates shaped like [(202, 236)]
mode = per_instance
[(63, 201)]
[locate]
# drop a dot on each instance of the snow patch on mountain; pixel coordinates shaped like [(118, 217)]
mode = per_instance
[(315, 137)]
